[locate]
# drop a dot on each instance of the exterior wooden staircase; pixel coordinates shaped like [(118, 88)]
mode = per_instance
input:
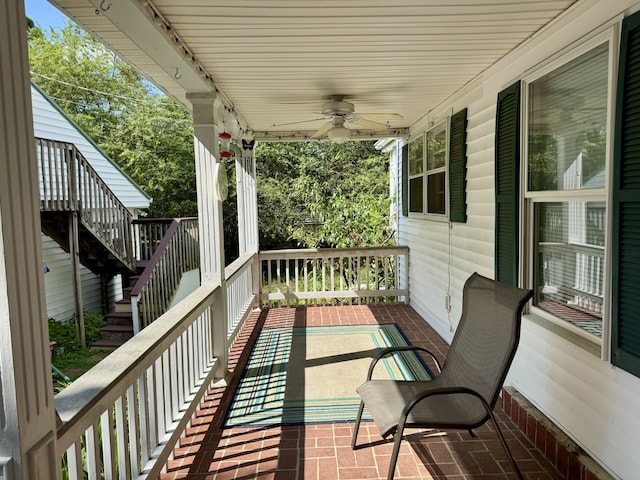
[(81, 213)]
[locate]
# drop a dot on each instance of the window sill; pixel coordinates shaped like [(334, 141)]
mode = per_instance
[(575, 335)]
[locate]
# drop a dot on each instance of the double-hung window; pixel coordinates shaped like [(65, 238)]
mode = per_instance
[(567, 136), (428, 155)]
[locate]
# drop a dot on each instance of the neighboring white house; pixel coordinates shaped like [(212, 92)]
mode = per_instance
[(50, 122), (550, 203)]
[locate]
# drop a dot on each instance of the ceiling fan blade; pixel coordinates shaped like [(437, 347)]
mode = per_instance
[(371, 125), (380, 116), (296, 123), (322, 130)]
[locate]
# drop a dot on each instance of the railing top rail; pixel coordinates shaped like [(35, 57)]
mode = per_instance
[(96, 390), (238, 266), (161, 220), (332, 252)]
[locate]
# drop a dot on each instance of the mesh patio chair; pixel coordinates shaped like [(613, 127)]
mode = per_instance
[(464, 393)]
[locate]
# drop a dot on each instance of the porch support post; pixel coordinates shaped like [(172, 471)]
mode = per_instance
[(27, 413), (74, 250), (247, 199), (210, 219), (248, 213)]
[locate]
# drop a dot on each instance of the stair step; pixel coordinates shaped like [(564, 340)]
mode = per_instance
[(123, 306), (116, 333), (107, 343), (126, 293), (120, 318), (141, 265), (133, 279), (117, 328)]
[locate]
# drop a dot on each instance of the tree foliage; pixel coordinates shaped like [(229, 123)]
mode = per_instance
[(326, 195)]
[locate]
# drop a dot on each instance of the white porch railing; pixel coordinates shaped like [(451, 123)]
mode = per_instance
[(123, 418), (240, 294), (334, 276)]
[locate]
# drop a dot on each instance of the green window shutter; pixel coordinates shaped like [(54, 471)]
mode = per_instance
[(405, 180), (626, 205), (507, 171), (458, 167)]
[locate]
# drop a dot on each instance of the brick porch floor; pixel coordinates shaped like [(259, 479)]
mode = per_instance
[(298, 452)]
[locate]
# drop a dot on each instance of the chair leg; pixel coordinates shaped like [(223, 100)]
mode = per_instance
[(357, 426), (396, 450), (505, 446)]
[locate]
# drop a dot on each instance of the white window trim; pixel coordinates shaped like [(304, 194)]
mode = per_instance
[(599, 346), (436, 217)]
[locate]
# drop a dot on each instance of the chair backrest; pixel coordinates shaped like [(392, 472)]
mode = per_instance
[(487, 336)]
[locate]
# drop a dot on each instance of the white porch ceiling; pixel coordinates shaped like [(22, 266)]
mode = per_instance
[(275, 62)]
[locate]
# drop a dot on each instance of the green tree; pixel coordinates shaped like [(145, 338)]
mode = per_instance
[(326, 195)]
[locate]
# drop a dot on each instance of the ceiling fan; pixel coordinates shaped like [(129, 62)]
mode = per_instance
[(342, 117)]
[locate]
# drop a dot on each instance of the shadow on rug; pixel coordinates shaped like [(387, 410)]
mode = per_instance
[(310, 374)]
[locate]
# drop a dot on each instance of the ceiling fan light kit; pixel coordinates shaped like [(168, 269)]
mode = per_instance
[(339, 134), (343, 118)]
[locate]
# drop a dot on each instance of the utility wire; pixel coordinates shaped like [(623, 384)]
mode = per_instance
[(122, 97)]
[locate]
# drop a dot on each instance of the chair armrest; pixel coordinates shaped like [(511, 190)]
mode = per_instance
[(406, 348)]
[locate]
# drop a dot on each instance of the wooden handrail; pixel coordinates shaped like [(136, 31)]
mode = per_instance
[(177, 253), (68, 182)]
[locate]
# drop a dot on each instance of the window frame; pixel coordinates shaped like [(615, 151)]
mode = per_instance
[(529, 198), (424, 214)]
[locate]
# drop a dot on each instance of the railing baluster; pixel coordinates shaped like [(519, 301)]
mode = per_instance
[(122, 438), (74, 460), (108, 443), (133, 422), (94, 465)]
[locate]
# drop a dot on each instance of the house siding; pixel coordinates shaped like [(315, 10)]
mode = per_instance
[(589, 399), (59, 295)]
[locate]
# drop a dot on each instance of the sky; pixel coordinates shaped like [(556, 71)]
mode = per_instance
[(44, 14)]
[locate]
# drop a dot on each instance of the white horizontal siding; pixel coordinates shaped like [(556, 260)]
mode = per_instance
[(58, 283), (50, 123), (593, 402)]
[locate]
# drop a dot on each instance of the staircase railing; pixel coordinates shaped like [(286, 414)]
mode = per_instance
[(177, 253), (69, 183), (147, 235)]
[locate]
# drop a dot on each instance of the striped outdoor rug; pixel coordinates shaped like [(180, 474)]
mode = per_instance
[(310, 374)]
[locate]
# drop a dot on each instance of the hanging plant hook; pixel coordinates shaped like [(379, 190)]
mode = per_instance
[(177, 75), (103, 7)]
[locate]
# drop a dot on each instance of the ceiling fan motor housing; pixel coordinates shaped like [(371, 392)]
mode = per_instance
[(340, 107)]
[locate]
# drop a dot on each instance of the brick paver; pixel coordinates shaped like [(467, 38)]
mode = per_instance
[(300, 452)]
